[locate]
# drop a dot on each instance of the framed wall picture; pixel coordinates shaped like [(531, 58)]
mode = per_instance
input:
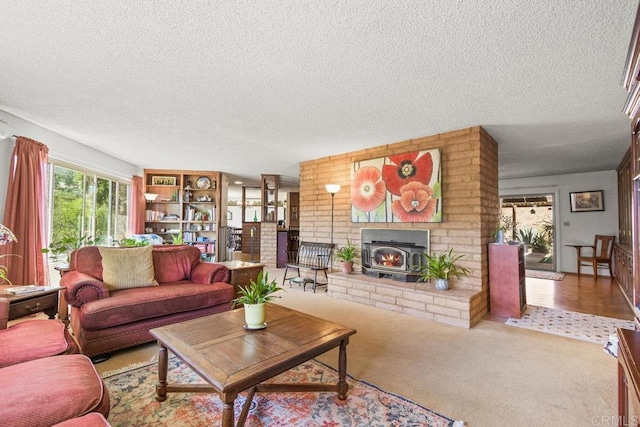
[(405, 187), (163, 180), (587, 201)]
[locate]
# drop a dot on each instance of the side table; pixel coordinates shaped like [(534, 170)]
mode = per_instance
[(45, 300), (63, 307), (242, 272)]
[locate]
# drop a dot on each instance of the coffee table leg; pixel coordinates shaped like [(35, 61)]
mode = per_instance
[(343, 387), (163, 365), (228, 418)]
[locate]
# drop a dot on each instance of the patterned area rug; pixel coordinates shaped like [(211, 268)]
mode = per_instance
[(133, 402), (549, 275), (585, 327)]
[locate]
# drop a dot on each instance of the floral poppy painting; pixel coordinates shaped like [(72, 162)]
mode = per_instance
[(399, 188)]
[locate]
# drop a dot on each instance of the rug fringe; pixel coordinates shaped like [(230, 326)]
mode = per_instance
[(130, 367)]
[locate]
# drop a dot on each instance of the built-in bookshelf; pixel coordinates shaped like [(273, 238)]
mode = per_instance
[(184, 201)]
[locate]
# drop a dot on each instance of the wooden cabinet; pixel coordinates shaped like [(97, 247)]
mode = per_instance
[(293, 210), (507, 294), (242, 273), (631, 189), (625, 194), (187, 202), (628, 377), (251, 239), (623, 269)]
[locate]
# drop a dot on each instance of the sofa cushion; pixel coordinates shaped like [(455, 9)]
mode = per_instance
[(132, 305), (174, 263), (33, 339), (125, 268), (45, 392)]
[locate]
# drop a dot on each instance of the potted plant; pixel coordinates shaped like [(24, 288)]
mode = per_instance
[(66, 245), (346, 256), (441, 267), (254, 298), (176, 239), (505, 225)]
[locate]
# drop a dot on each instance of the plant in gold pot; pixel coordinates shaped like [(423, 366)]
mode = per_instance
[(254, 298), (441, 267), (346, 255)]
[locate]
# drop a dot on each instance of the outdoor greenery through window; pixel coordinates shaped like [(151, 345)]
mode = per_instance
[(85, 205)]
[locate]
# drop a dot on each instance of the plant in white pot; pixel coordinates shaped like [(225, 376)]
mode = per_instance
[(254, 298), (441, 267), (346, 255)]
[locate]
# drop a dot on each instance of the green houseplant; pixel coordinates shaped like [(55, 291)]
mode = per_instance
[(254, 298), (441, 267), (66, 245), (346, 255)]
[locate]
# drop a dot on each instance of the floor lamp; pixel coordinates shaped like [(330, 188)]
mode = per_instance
[(332, 189)]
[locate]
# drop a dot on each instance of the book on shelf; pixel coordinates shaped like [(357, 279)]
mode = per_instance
[(19, 290)]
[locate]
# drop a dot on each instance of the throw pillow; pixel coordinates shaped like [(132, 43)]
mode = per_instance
[(125, 268)]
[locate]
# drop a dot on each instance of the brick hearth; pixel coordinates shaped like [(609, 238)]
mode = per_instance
[(453, 306)]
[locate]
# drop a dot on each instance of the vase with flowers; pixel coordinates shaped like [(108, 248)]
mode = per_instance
[(6, 237), (505, 229)]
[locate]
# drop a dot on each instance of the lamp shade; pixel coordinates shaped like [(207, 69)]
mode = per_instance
[(333, 188)]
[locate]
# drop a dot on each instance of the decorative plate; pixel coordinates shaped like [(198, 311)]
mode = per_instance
[(203, 183)]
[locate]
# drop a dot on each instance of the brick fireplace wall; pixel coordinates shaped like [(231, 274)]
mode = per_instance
[(470, 214)]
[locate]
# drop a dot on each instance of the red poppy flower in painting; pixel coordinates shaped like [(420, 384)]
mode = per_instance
[(406, 168), (367, 189), (415, 203)]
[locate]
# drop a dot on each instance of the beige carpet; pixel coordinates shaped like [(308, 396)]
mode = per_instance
[(490, 375)]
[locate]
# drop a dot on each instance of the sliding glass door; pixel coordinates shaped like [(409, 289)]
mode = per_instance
[(533, 219)]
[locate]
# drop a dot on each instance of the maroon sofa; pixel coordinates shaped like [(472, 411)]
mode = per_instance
[(104, 321)]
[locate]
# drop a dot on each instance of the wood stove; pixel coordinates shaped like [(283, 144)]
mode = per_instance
[(393, 253)]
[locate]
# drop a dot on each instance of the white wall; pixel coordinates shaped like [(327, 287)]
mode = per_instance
[(573, 227), (60, 148)]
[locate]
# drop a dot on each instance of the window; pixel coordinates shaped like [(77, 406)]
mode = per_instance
[(85, 204)]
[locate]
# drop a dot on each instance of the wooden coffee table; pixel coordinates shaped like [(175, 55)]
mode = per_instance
[(232, 359)]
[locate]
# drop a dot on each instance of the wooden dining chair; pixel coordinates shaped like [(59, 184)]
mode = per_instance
[(600, 255)]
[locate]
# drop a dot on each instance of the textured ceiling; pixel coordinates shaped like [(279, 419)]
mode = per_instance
[(257, 87)]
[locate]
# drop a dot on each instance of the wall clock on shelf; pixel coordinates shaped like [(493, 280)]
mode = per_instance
[(203, 183)]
